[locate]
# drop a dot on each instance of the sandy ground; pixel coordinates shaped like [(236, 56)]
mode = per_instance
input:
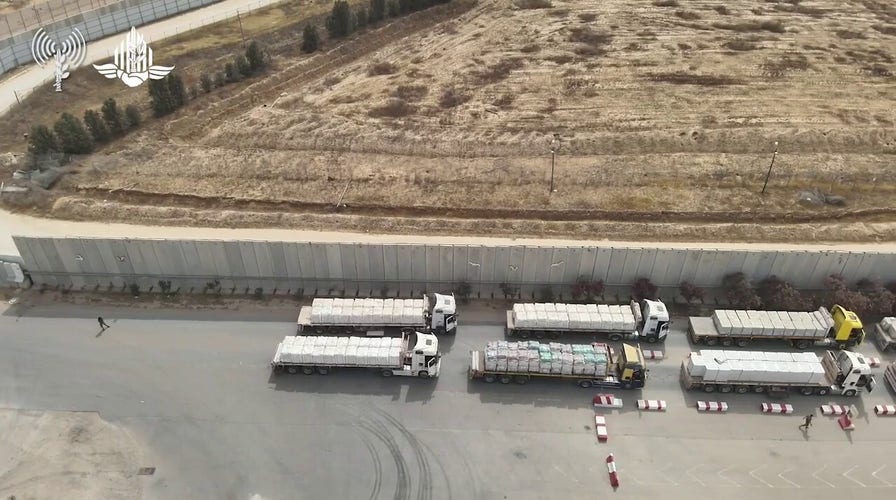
[(667, 114), (72, 455)]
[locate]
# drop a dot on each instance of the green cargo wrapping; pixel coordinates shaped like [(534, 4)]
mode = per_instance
[(534, 357)]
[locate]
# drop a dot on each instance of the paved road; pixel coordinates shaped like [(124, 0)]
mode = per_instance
[(196, 389), (33, 75), (44, 13)]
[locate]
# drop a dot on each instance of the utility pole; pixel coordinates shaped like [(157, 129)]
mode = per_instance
[(555, 146), (242, 33), (772, 164)]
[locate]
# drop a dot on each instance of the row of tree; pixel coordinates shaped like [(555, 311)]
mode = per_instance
[(869, 296), (342, 21), (70, 135)]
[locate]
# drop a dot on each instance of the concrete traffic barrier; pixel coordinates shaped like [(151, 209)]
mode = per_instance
[(715, 406), (873, 362), (652, 354), (776, 408), (611, 469), (600, 425), (833, 409), (607, 401), (885, 409), (651, 404)]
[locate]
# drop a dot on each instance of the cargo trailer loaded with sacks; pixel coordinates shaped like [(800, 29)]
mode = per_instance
[(411, 355), (648, 320), (434, 313), (589, 365), (837, 327), (842, 373)]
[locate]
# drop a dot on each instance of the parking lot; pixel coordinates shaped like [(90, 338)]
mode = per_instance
[(195, 391)]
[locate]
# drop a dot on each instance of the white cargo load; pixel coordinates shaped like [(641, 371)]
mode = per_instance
[(550, 316), (403, 312), (756, 366), (340, 351)]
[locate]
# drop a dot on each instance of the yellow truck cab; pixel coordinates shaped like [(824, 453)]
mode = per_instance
[(848, 327), (632, 370)]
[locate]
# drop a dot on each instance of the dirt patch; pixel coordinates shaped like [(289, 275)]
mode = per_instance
[(73, 455)]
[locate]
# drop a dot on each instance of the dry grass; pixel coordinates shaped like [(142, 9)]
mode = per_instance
[(687, 15), (886, 30), (785, 64), (380, 68), (504, 101), (665, 3), (805, 10), (684, 78), (741, 45), (452, 98), (774, 26), (498, 71), (591, 43), (530, 48), (851, 35), (722, 10), (587, 17), (392, 108), (410, 93), (533, 4)]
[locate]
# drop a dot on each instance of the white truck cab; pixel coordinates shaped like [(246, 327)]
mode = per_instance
[(424, 360), (853, 373), (654, 320), (443, 313)]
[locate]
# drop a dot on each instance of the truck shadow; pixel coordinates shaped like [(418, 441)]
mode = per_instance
[(547, 393), (356, 382)]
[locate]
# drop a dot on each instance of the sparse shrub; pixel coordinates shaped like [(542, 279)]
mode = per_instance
[(774, 26), (72, 136), (377, 11), (410, 93), (504, 100), (499, 70), (258, 293), (508, 290), (381, 68), (665, 3), (533, 4), (339, 22), (585, 288), (361, 18), (392, 8), (310, 39), (452, 98), (851, 35), (221, 78), (41, 140), (881, 301), (739, 291), (721, 9), (530, 48), (643, 288), (463, 290), (392, 108), (587, 17), (96, 126), (242, 66), (135, 289), (115, 121), (205, 81), (132, 116), (257, 58), (687, 15), (838, 293), (231, 73), (777, 294), (740, 45), (546, 294), (691, 292)]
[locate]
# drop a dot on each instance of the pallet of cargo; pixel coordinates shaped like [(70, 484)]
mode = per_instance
[(885, 334)]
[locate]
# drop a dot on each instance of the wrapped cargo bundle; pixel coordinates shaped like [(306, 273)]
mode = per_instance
[(740, 322), (756, 366), (550, 316)]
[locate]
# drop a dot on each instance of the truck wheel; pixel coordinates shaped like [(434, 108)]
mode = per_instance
[(758, 389), (651, 340), (741, 389), (554, 335), (709, 388), (386, 373), (585, 384), (727, 342), (802, 344), (539, 334), (806, 391), (489, 379), (615, 337), (521, 379), (822, 391), (711, 341), (323, 370), (742, 342), (292, 370), (307, 370), (726, 389), (850, 393), (523, 335), (423, 374), (505, 379)]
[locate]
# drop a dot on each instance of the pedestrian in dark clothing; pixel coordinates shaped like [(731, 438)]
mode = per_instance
[(103, 324), (807, 423)]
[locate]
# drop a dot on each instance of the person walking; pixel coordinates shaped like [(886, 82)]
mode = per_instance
[(807, 423), (103, 324)]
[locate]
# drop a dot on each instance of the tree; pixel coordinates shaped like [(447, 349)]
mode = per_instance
[(739, 291), (643, 288), (404, 6), (132, 116), (205, 81), (42, 141), (361, 18), (463, 290), (546, 294), (310, 39), (256, 57), (508, 290), (112, 116), (231, 73), (880, 300), (777, 294), (837, 293), (177, 90), (242, 66), (587, 289), (377, 11), (339, 23), (392, 8), (96, 126), (73, 137), (160, 96), (691, 292)]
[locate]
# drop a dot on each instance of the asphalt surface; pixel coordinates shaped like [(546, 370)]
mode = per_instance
[(195, 388)]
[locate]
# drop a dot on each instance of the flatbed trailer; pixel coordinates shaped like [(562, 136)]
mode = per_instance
[(433, 313), (837, 327), (646, 319), (885, 334), (625, 370), (842, 372), (890, 376)]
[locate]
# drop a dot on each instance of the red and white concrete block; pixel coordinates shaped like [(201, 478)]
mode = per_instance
[(885, 410), (783, 409), (600, 425), (607, 401), (833, 409), (652, 354), (873, 362), (714, 406), (611, 470), (651, 404)]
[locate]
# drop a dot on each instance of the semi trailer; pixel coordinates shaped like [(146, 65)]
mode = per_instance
[(411, 355), (434, 313), (647, 319), (839, 372), (885, 334), (837, 327), (588, 365)]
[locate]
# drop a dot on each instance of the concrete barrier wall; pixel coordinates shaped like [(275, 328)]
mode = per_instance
[(329, 268), (96, 24)]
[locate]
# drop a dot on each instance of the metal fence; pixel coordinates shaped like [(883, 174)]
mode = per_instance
[(408, 269), (41, 14)]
